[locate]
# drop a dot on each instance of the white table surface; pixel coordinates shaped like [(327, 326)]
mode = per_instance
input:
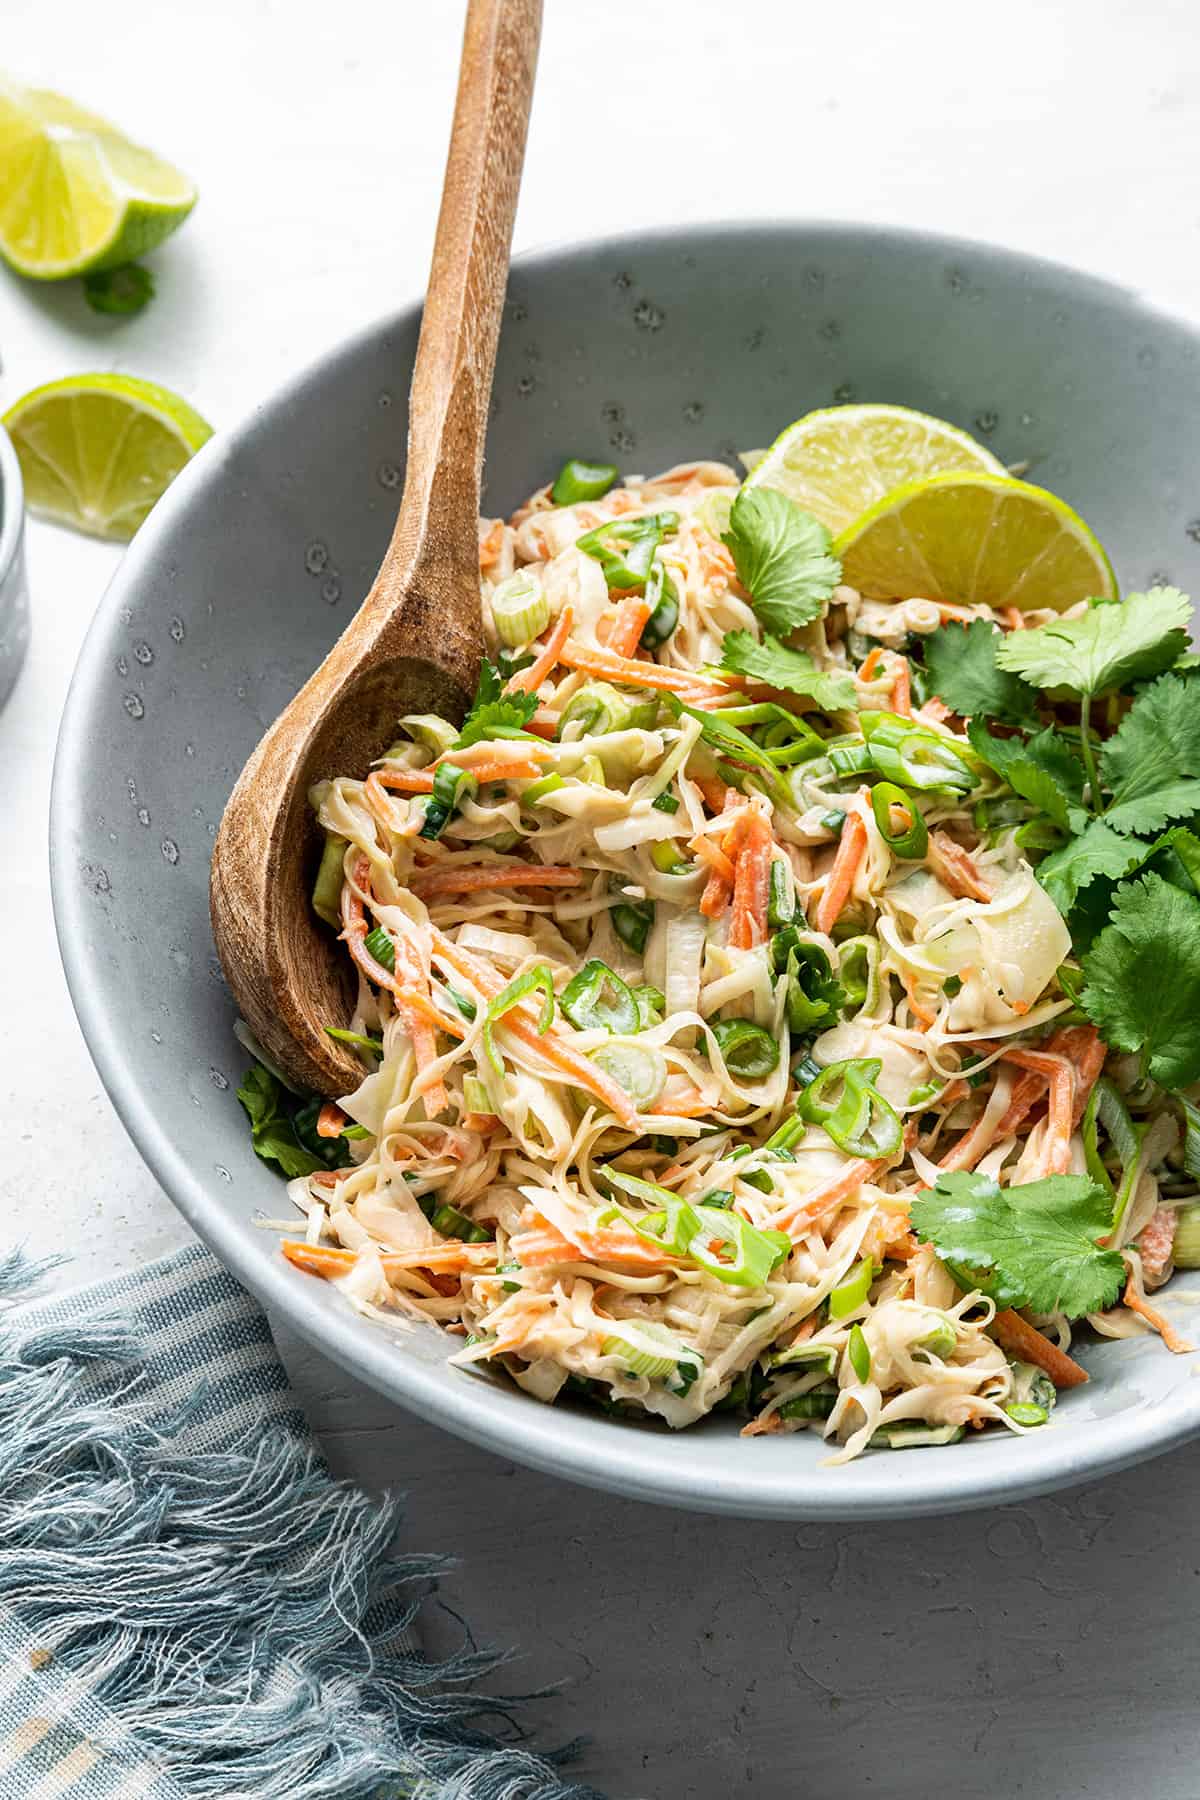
[(1046, 1649)]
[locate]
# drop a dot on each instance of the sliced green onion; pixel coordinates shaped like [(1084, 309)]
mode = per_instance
[(535, 980), (651, 1005), (913, 756), (911, 840), (833, 821), (631, 920), (761, 1180), (858, 972), (431, 730), (1023, 1412), (476, 1098), (781, 895), (1191, 1137), (941, 1337), (580, 480), (598, 708), (354, 1131), (807, 1356), (859, 1352), (464, 1005), (625, 548), (664, 854), (597, 999), (1185, 1252), (379, 945), (845, 1103), (452, 1223), (451, 786), (536, 792), (852, 1293), (746, 1048), (916, 1436), (721, 1198), (520, 609), (817, 1404), (850, 759), (327, 888), (639, 1069), (1106, 1107), (355, 1039), (662, 1145), (666, 802), (663, 599), (723, 1243), (790, 1132), (652, 1351)]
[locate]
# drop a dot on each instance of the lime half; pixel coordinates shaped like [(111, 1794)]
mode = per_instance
[(838, 462), (97, 451), (968, 539), (74, 193)]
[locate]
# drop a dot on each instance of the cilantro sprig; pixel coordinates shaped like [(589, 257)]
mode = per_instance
[(792, 670), (783, 557), (494, 713), (1143, 978), (961, 668), (1031, 1245)]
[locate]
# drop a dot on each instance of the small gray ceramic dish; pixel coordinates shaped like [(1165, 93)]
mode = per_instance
[(14, 593), (650, 349)]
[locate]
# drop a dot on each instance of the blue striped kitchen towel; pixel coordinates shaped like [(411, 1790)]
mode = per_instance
[(191, 1607)]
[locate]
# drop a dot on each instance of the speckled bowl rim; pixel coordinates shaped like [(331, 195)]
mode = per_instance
[(545, 1438), (12, 507)]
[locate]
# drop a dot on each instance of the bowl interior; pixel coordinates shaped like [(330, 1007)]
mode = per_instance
[(649, 350)]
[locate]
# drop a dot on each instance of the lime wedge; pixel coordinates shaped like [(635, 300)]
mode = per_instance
[(74, 193), (837, 462), (968, 539), (97, 451)]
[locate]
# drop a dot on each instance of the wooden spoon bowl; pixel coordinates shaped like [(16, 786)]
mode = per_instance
[(415, 643)]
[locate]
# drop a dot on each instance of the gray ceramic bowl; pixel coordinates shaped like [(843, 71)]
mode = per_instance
[(14, 594), (651, 349)]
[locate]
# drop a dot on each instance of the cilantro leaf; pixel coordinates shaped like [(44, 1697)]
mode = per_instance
[(1098, 850), (782, 557), (1032, 1245), (780, 667), (271, 1130), (1143, 979), (1151, 760), (1044, 769), (494, 713), (1107, 648), (961, 667)]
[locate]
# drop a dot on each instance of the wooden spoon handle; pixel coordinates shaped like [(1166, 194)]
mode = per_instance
[(435, 543)]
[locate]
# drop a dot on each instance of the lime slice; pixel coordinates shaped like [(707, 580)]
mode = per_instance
[(837, 462), (96, 451), (968, 539), (74, 193)]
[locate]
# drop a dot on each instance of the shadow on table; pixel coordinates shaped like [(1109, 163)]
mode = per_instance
[(1046, 1649)]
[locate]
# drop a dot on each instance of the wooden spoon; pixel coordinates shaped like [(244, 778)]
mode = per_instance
[(415, 643)]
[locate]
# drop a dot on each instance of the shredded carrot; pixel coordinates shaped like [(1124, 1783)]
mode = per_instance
[(635, 674), (748, 918), (851, 849), (714, 791), (491, 544), (476, 758), (955, 612), (916, 1006), (329, 1178), (467, 878), (450, 1023), (1014, 1333), (954, 867), (935, 710), (902, 689), (482, 1124), (703, 846), (330, 1120), (972, 1144), (551, 1044), (688, 1103), (420, 1032), (627, 625), (1057, 1154), (404, 781), (330, 1261), (871, 663), (544, 722), (1137, 1303), (811, 1207), (607, 1244), (528, 681), (1014, 618)]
